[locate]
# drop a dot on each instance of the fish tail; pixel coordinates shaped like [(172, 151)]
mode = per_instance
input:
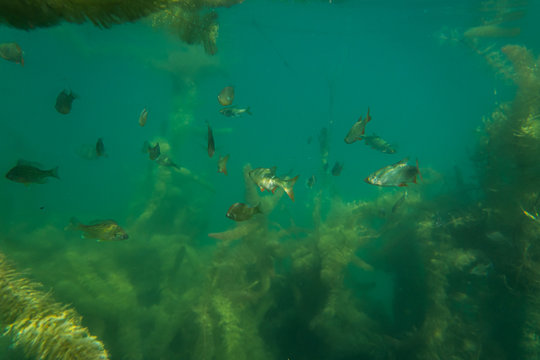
[(54, 173), (248, 110), (74, 224), (288, 186)]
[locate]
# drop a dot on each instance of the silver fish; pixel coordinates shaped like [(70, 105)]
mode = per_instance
[(398, 174)]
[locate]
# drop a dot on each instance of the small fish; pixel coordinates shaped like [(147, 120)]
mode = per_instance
[(358, 129), (12, 52), (338, 167), (153, 151), (64, 101), (222, 164), (398, 174), (166, 161), (100, 148), (211, 144), (399, 202), (226, 96), (234, 111), (481, 269), (26, 172), (242, 212), (104, 230), (266, 179), (143, 117), (377, 143), (310, 183)]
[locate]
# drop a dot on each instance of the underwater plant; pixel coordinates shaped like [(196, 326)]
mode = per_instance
[(43, 328), (104, 13)]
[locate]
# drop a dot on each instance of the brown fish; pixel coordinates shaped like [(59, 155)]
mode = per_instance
[(104, 230), (398, 174), (143, 117), (12, 52), (153, 151), (100, 148), (222, 164), (358, 129), (226, 96), (337, 168), (242, 212), (211, 144), (26, 172), (64, 101)]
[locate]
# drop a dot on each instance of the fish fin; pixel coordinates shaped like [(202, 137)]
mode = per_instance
[(419, 173), (404, 184), (22, 162), (403, 161), (368, 117), (146, 147), (288, 186), (248, 110), (262, 189), (225, 159), (258, 208), (22, 61), (54, 173), (273, 170)]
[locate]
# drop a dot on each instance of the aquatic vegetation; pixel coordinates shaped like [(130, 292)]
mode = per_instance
[(43, 328), (104, 13)]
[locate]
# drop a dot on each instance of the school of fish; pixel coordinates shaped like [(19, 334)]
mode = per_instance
[(398, 174)]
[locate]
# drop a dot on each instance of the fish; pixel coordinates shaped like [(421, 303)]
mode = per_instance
[(143, 117), (378, 143), (310, 183), (100, 148), (153, 151), (399, 202), (100, 230), (26, 172), (166, 161), (398, 174), (242, 212), (324, 147), (481, 269), (211, 144), (358, 129), (64, 101), (338, 167), (226, 96), (12, 52), (222, 164), (266, 179), (234, 111)]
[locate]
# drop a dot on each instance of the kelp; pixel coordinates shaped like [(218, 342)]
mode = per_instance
[(43, 328), (103, 13)]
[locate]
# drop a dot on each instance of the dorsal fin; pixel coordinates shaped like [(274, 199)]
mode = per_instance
[(22, 162)]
